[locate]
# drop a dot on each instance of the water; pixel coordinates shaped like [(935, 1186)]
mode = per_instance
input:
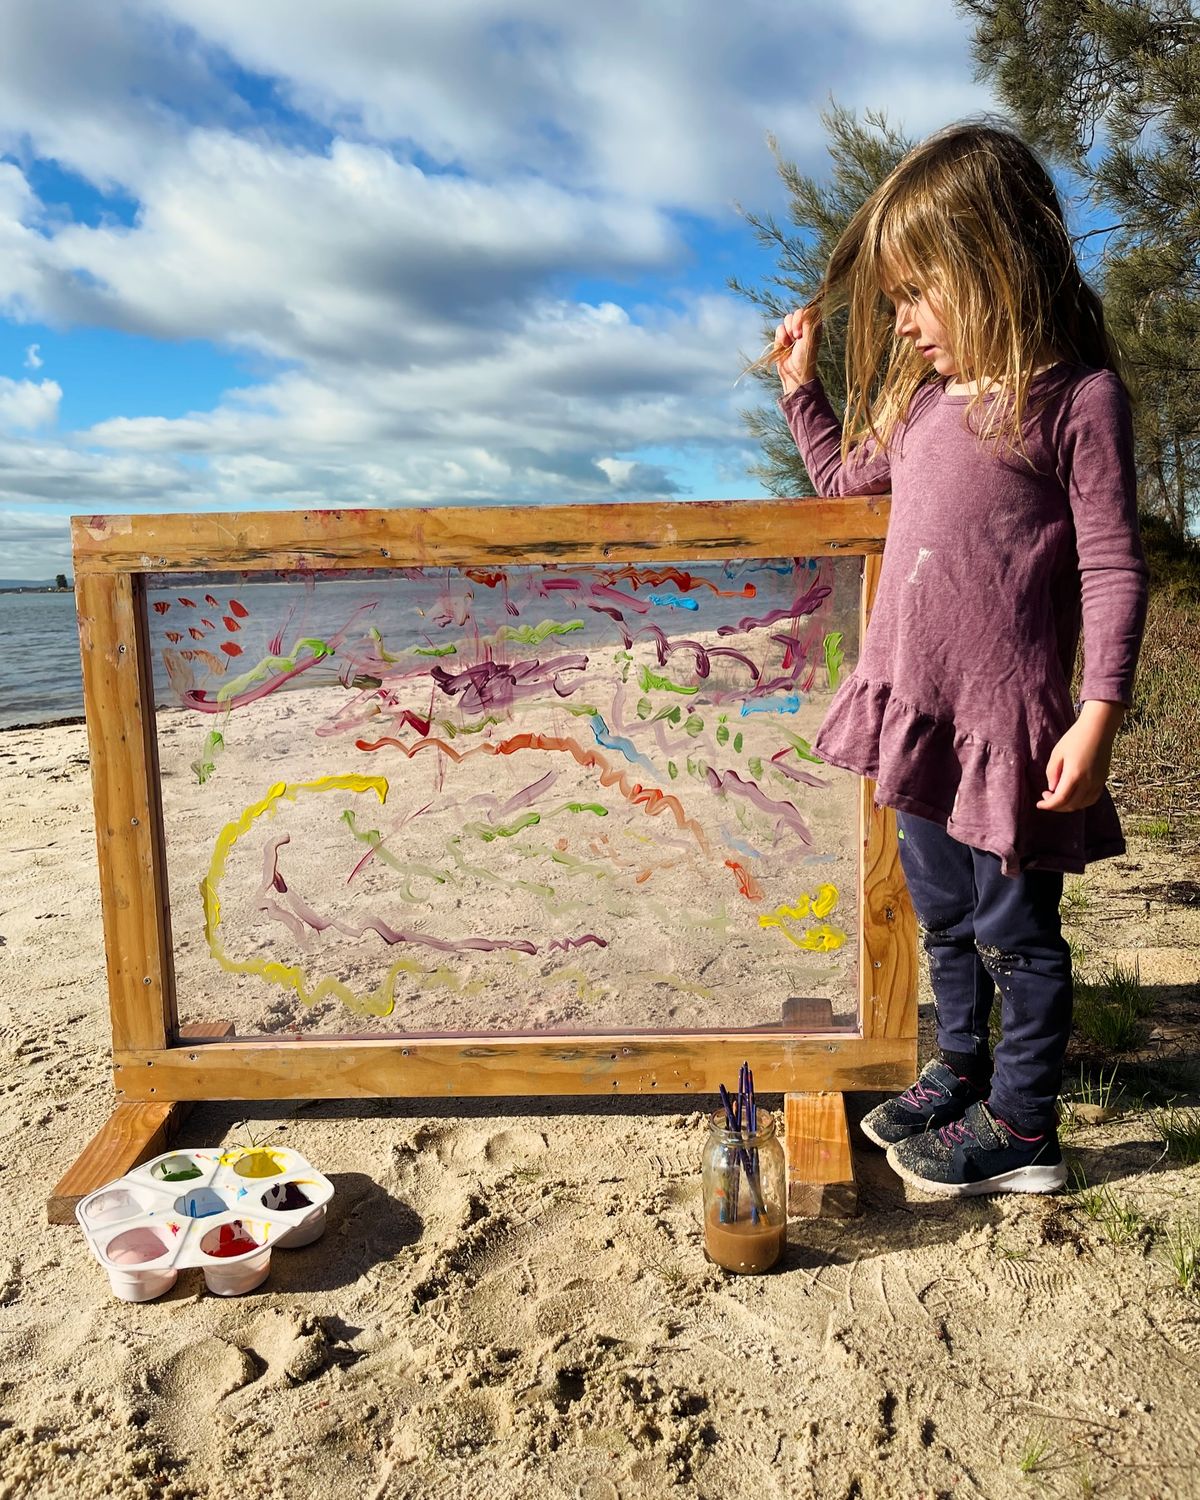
[(40, 677)]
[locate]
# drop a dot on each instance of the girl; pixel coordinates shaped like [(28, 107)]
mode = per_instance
[(1002, 428)]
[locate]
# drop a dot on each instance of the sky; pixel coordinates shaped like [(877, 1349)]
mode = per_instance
[(297, 253)]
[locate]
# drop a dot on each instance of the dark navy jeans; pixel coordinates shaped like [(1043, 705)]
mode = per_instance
[(982, 929)]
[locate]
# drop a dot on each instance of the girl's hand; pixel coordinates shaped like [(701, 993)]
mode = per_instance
[(1078, 764), (800, 335)]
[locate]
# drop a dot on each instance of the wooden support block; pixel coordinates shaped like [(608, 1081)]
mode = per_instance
[(807, 1013), (820, 1165), (132, 1134)]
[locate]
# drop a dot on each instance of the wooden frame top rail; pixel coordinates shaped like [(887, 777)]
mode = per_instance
[(464, 536)]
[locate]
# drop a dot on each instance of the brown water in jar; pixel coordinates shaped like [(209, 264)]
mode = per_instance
[(742, 1246)]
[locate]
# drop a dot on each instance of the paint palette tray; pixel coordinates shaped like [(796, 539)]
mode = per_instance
[(224, 1211)]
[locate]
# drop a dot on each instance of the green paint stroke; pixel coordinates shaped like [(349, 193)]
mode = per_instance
[(655, 682), (214, 743), (534, 635), (451, 650), (374, 840), (833, 657), (384, 653), (269, 664), (800, 745)]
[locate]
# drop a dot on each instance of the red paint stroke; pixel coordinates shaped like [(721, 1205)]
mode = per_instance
[(196, 635), (684, 582), (560, 583), (747, 884), (230, 623), (231, 648), (208, 599), (161, 606), (208, 624), (489, 579), (199, 698), (237, 609), (190, 603), (174, 636)]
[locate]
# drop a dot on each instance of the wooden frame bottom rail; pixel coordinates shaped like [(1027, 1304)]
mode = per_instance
[(458, 1067)]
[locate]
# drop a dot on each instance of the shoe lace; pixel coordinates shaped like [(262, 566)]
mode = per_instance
[(921, 1093), (956, 1132)]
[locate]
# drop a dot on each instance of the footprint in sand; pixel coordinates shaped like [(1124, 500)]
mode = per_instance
[(464, 1147)]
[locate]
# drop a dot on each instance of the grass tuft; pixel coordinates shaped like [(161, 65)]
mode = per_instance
[(1180, 1132), (1181, 1252), (1110, 1011), (1121, 1223), (1035, 1450)]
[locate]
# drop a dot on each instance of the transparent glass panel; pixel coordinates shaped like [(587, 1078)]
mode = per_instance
[(520, 800)]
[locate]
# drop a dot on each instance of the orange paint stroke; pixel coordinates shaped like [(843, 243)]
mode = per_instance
[(747, 884), (650, 799), (213, 663)]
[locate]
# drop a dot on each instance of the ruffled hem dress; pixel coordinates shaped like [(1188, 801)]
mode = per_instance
[(991, 566)]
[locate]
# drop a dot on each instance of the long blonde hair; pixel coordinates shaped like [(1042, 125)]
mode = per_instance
[(972, 214)]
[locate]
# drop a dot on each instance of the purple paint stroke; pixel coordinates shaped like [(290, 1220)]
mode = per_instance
[(492, 684), (804, 777), (527, 795), (273, 880), (392, 936), (804, 605), (604, 591), (615, 614), (566, 944), (730, 781)]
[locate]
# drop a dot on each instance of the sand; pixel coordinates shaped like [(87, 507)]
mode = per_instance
[(511, 1298)]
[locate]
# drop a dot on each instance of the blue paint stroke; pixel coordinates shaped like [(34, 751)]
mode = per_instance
[(616, 742), (670, 601), (790, 704)]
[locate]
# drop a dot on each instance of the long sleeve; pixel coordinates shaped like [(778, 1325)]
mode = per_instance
[(1098, 471), (818, 435)]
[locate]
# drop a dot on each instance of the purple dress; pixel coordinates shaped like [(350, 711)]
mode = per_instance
[(962, 688)]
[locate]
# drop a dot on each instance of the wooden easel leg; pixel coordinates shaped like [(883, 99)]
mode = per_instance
[(133, 1134), (820, 1165)]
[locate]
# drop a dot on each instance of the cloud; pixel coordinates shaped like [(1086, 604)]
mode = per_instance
[(26, 405), (416, 223)]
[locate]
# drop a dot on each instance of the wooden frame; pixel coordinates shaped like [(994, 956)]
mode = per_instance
[(153, 1065)]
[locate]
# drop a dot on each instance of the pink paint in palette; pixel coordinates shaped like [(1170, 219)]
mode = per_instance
[(224, 1211)]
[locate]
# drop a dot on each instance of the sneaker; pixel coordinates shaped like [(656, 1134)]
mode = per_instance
[(938, 1096), (979, 1154)]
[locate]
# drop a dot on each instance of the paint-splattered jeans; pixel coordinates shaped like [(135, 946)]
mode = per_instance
[(981, 929)]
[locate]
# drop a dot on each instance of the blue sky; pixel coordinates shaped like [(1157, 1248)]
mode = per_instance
[(275, 255)]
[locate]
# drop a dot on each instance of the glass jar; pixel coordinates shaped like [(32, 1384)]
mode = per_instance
[(745, 1195)]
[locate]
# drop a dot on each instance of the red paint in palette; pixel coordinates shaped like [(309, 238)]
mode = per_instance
[(232, 1240)]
